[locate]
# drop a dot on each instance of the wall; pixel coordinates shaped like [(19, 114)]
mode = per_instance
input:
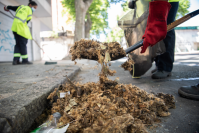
[(187, 40), (7, 41), (56, 48), (48, 26), (36, 37), (59, 19)]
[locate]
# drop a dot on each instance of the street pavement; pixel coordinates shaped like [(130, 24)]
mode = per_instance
[(24, 90), (183, 119)]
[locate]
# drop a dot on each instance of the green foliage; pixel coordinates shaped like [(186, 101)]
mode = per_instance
[(125, 6), (54, 34), (115, 35), (99, 16), (98, 13), (70, 8), (183, 8)]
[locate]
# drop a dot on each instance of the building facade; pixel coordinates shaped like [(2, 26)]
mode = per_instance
[(187, 39), (41, 21), (57, 43)]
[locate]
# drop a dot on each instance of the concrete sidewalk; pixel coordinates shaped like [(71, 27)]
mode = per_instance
[(24, 89)]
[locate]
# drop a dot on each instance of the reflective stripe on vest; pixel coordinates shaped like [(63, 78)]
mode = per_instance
[(18, 10), (20, 19)]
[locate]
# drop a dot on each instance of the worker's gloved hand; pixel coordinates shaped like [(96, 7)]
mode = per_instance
[(156, 29), (6, 9)]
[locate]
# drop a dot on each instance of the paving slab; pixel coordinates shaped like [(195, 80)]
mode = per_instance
[(24, 90)]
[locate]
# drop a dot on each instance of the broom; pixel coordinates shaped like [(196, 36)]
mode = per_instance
[(46, 62)]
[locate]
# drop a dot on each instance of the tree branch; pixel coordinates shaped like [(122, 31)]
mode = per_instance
[(88, 25), (88, 18), (87, 3)]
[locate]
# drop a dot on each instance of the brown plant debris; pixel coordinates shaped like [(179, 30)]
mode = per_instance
[(168, 99), (110, 107), (107, 106), (128, 65), (95, 50)]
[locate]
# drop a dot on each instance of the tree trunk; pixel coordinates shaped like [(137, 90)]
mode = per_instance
[(81, 7), (88, 26)]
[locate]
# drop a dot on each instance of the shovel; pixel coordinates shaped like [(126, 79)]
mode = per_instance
[(140, 43)]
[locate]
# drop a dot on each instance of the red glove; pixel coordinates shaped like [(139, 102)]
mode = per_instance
[(5, 8), (156, 29)]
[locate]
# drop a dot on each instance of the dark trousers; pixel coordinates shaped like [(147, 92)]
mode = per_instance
[(164, 62), (20, 48)]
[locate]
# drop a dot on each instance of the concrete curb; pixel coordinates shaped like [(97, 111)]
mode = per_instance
[(19, 112)]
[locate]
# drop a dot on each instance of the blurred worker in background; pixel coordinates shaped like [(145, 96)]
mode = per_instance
[(21, 30)]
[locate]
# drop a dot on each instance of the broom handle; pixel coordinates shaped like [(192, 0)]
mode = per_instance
[(169, 28), (38, 45), (41, 48)]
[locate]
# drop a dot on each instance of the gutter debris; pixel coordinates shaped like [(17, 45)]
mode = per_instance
[(107, 106)]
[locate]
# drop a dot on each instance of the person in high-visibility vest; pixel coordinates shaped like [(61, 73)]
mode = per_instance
[(21, 30)]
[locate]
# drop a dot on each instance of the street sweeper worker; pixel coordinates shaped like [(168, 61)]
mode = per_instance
[(161, 13), (21, 30)]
